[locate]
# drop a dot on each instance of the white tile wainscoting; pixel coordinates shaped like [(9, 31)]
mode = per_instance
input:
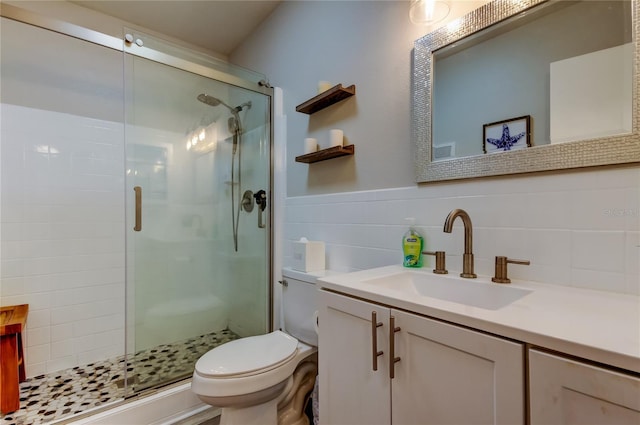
[(578, 228), (62, 221)]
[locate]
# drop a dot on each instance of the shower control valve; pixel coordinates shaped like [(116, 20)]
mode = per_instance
[(247, 201)]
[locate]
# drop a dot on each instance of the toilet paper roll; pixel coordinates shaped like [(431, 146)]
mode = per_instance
[(323, 86), (310, 145), (335, 137)]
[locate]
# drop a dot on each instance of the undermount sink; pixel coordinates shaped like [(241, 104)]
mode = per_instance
[(470, 292)]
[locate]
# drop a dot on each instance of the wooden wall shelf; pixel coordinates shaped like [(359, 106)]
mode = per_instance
[(327, 98), (324, 154)]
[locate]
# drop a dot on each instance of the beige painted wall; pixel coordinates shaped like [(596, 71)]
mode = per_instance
[(562, 222), (366, 43)]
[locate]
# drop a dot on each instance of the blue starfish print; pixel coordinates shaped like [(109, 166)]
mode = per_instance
[(506, 142)]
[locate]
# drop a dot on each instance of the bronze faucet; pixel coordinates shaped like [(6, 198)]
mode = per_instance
[(467, 259)]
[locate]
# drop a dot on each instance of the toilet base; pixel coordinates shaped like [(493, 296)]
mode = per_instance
[(260, 414), (286, 409), (291, 408)]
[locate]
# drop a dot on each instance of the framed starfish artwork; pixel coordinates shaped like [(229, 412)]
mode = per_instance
[(508, 135)]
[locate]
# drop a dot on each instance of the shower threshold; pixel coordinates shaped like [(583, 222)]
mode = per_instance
[(70, 392)]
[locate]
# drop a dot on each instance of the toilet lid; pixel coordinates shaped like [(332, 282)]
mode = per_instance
[(245, 355)]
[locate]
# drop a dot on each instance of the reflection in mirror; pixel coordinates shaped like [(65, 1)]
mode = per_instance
[(574, 80), (566, 65)]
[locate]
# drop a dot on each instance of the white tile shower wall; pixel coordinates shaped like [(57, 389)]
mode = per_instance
[(247, 315), (578, 228), (62, 218)]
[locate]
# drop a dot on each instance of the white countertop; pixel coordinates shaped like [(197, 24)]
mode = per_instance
[(600, 326)]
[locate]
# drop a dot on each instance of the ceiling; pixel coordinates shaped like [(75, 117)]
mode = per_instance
[(215, 25)]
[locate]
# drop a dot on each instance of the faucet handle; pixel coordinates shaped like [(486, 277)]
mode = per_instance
[(501, 268), (440, 261)]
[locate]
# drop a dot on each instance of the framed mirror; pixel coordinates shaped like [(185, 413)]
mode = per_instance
[(525, 86)]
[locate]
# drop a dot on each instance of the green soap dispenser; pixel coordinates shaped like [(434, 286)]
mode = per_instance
[(412, 244)]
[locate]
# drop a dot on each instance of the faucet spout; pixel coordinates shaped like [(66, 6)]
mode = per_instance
[(467, 259)]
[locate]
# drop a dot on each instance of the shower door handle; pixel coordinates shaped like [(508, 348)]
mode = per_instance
[(138, 223)]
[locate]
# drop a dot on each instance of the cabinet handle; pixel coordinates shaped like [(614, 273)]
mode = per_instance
[(374, 339), (392, 346), (138, 224)]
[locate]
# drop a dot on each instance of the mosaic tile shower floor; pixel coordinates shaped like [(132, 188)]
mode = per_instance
[(48, 398)]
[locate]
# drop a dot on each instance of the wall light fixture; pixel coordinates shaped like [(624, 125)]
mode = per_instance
[(427, 12)]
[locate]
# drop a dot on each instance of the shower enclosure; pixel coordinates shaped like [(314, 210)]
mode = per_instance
[(134, 210), (197, 257)]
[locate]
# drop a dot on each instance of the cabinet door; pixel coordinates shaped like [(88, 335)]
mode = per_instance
[(563, 391), (452, 375), (351, 392)]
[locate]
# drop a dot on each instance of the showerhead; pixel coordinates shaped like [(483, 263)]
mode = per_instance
[(214, 101), (233, 123), (209, 100)]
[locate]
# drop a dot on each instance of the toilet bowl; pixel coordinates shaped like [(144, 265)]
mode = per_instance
[(266, 379)]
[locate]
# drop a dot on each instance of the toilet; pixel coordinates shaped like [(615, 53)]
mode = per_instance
[(265, 379)]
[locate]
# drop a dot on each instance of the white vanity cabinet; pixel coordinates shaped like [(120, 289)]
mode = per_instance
[(445, 374), (351, 392), (564, 391)]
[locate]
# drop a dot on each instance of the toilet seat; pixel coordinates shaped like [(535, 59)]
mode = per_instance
[(247, 356), (243, 383)]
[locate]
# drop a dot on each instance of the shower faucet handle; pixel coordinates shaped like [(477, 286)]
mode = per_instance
[(261, 201)]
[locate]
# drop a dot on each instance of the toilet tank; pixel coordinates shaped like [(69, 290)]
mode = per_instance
[(299, 303)]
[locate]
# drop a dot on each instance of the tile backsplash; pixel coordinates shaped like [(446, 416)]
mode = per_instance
[(578, 228)]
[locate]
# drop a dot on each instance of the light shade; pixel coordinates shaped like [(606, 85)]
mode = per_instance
[(425, 12)]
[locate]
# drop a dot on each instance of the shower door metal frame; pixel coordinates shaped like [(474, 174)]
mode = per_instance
[(28, 17), (65, 28)]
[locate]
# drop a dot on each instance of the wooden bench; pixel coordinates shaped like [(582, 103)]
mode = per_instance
[(12, 324)]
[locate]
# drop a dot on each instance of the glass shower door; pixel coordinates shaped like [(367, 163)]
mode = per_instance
[(197, 251)]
